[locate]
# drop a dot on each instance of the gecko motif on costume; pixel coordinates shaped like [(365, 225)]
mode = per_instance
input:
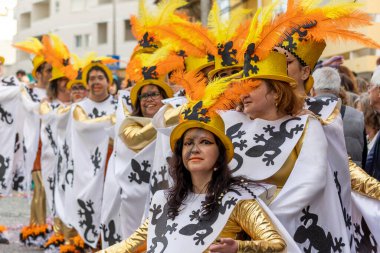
[(4, 165), (196, 113), (51, 181), (142, 173), (17, 143), (364, 240), (248, 60), (274, 142), (159, 184), (112, 237), (127, 100), (32, 95), (96, 159), (11, 81), (96, 114), (18, 182), (69, 170), (316, 105), (234, 132), (150, 72), (346, 215), (51, 139), (146, 41), (302, 33), (87, 211), (205, 222), (228, 53), (59, 165), (318, 239), (161, 227), (6, 116)]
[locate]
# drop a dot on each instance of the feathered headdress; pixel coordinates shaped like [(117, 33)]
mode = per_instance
[(35, 47), (152, 68), (229, 35), (58, 55), (205, 100), (141, 25)]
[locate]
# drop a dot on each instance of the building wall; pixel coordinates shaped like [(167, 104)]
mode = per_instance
[(76, 21)]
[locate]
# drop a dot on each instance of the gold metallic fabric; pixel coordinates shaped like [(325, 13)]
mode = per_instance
[(247, 218), (38, 205), (58, 226), (81, 115), (45, 108), (363, 183)]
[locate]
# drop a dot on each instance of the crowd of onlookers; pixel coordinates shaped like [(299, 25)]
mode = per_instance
[(360, 109)]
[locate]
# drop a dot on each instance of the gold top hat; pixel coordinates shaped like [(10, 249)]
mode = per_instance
[(196, 117), (197, 64), (273, 67), (2, 59), (37, 62), (229, 37), (158, 82), (77, 80), (56, 74), (99, 64)]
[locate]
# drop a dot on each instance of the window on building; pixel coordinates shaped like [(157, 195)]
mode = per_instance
[(102, 33), (57, 5), (24, 21), (104, 1), (40, 10), (78, 41), (78, 5), (127, 30), (362, 52), (87, 40)]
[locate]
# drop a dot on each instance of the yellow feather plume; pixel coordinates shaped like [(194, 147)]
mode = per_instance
[(31, 46)]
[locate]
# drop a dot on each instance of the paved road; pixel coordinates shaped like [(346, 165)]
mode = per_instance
[(14, 213)]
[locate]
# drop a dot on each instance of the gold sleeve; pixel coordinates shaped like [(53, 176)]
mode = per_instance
[(363, 183), (45, 108), (137, 136), (81, 115), (136, 243), (254, 222)]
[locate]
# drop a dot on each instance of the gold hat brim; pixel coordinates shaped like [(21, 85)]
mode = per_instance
[(213, 72), (37, 62), (101, 65), (285, 79), (2, 59), (139, 85), (76, 81), (180, 129)]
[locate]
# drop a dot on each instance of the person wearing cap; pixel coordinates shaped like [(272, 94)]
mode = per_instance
[(373, 159), (221, 207)]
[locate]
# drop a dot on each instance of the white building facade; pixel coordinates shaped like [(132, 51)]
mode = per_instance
[(102, 26)]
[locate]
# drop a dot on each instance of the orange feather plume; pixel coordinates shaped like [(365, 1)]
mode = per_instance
[(31, 46), (193, 82), (170, 63)]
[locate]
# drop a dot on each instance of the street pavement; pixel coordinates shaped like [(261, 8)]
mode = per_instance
[(14, 214)]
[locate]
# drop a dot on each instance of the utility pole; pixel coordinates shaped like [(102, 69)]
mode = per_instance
[(114, 51), (205, 9)]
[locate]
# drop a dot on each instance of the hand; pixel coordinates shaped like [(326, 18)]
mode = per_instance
[(224, 245)]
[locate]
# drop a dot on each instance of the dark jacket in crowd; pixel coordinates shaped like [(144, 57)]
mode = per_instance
[(373, 160)]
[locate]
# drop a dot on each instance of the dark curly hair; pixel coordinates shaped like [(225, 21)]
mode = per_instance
[(221, 181)]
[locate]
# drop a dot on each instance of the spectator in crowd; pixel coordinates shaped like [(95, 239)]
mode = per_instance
[(349, 87), (345, 70), (373, 159), (362, 84), (327, 84)]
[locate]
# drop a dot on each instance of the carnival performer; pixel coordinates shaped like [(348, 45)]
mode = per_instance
[(204, 195), (89, 148), (138, 132), (35, 233), (272, 146), (78, 89), (303, 47)]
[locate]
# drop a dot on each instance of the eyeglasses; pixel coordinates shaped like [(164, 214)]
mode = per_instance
[(152, 95), (78, 88)]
